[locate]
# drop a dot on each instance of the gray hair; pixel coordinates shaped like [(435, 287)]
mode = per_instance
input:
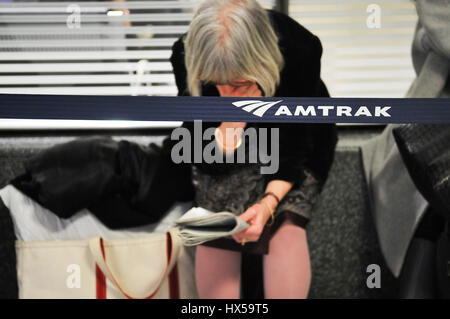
[(232, 39)]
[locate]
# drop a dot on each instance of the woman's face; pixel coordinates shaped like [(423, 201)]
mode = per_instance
[(241, 87)]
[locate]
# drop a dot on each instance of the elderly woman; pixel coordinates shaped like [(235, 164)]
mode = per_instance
[(237, 48)]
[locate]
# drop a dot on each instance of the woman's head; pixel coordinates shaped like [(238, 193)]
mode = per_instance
[(230, 41)]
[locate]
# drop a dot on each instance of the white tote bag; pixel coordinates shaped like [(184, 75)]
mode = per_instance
[(157, 266)]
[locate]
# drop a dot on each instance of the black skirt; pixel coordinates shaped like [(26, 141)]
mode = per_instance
[(261, 246), (240, 188)]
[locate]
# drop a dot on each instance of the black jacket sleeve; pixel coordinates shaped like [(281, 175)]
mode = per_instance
[(296, 145), (302, 146)]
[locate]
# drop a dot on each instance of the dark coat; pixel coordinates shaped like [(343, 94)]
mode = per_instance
[(302, 146)]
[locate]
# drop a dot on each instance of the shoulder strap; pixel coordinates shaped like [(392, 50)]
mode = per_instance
[(96, 246)]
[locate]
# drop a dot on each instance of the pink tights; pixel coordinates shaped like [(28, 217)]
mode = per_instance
[(287, 270)]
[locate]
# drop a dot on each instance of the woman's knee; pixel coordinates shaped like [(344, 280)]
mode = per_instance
[(289, 248), (217, 272), (289, 233), (287, 268)]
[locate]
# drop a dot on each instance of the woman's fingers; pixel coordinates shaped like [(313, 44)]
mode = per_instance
[(249, 214), (254, 216), (238, 238), (252, 233)]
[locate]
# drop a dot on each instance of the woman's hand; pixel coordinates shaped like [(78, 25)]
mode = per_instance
[(257, 216), (242, 89)]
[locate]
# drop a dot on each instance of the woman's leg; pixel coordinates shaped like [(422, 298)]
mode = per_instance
[(287, 269), (218, 273)]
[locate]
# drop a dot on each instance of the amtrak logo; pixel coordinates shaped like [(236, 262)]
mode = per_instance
[(258, 108)]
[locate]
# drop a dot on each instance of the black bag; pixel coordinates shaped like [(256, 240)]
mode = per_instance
[(123, 183)]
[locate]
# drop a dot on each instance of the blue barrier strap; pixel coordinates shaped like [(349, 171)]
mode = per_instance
[(225, 109)]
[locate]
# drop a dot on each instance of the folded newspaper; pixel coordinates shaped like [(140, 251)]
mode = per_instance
[(199, 225)]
